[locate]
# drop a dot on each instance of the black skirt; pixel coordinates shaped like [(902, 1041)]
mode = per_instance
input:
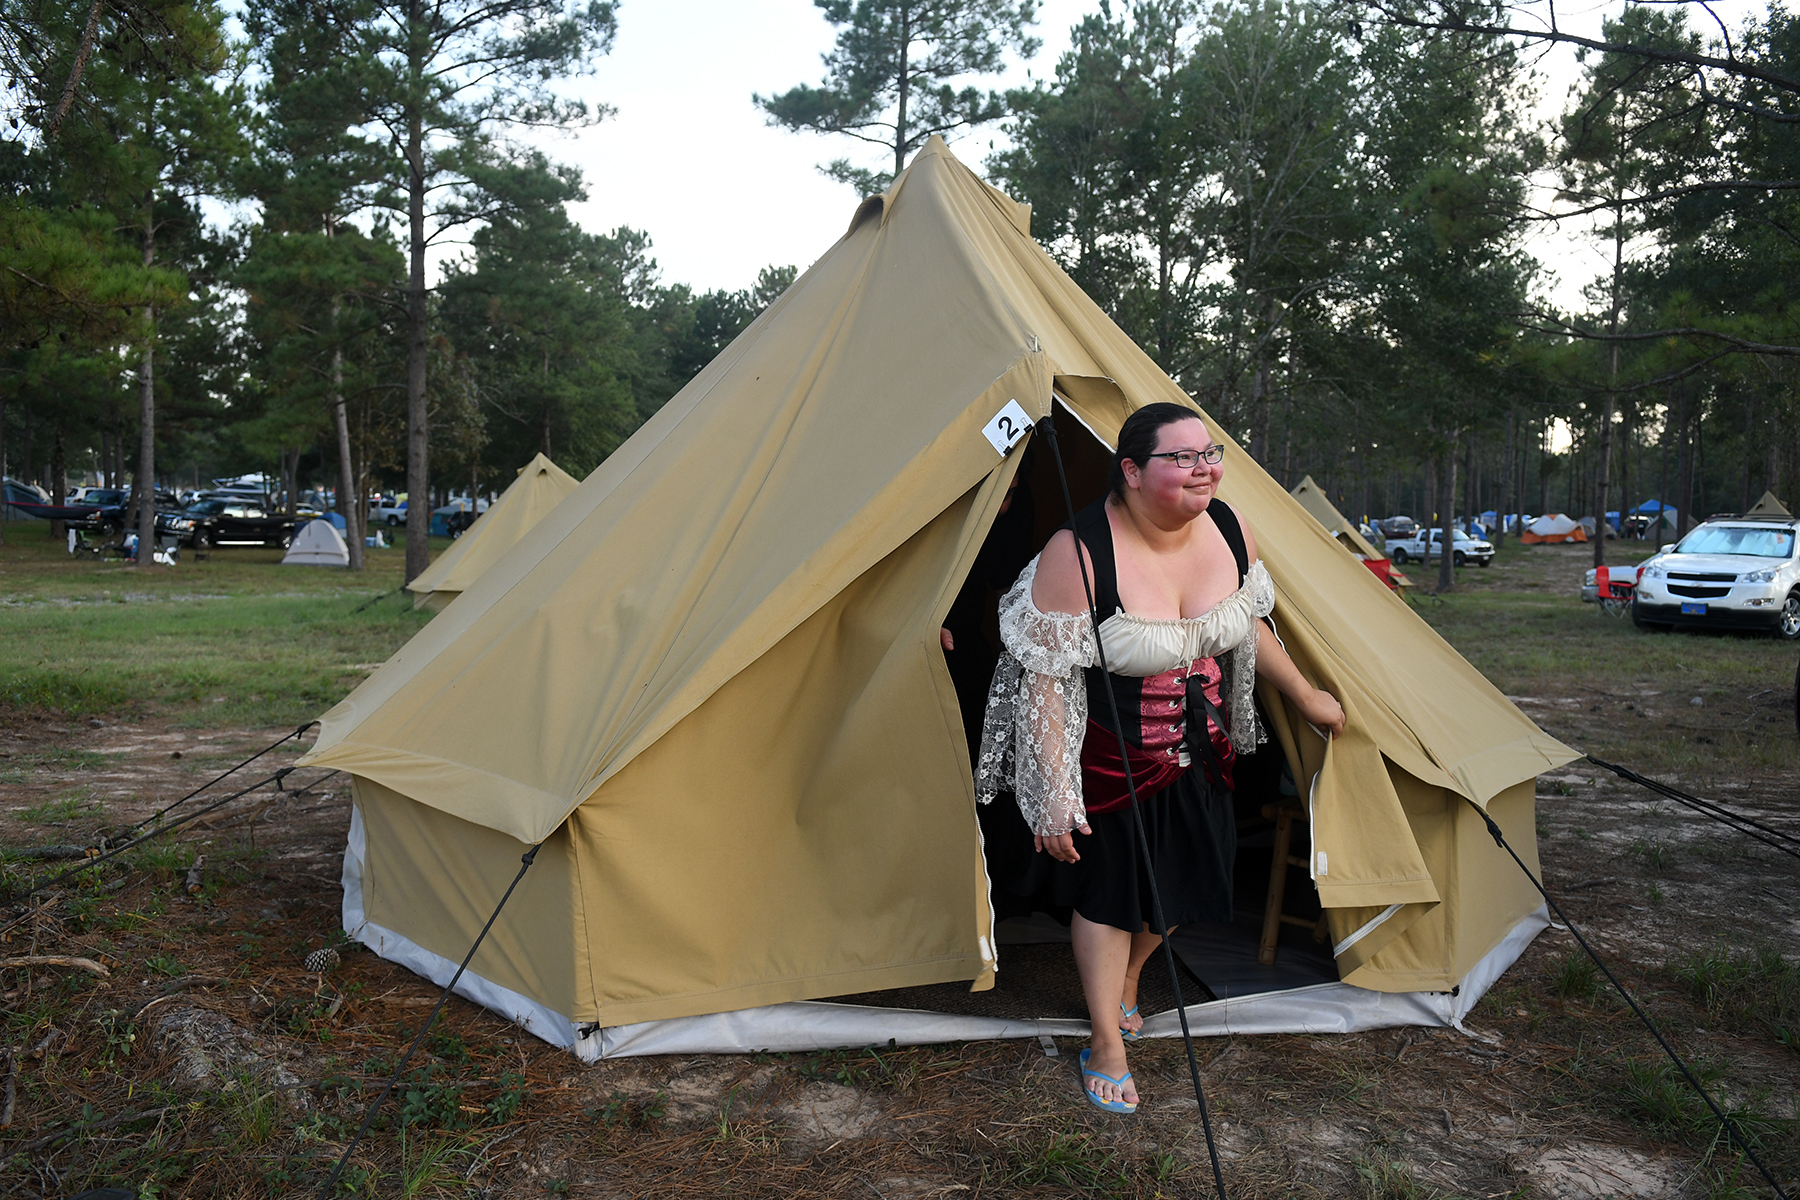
[(1193, 840)]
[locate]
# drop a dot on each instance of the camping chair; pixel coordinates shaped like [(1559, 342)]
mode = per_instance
[(80, 543), (1284, 817), (1611, 596)]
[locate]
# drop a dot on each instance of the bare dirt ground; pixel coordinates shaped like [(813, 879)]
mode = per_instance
[(208, 1061)]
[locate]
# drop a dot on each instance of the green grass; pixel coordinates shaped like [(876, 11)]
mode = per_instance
[(1522, 625), (62, 811), (237, 640), (1747, 990)]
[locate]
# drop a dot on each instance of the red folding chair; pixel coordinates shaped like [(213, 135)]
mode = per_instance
[(1612, 597)]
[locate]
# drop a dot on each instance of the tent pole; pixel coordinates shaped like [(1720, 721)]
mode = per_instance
[(1047, 427)]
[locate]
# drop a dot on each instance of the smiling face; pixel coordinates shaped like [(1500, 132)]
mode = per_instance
[(1164, 489)]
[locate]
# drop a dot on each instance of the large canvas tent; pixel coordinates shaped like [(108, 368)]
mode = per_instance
[(1313, 499), (540, 487), (1769, 506), (709, 684)]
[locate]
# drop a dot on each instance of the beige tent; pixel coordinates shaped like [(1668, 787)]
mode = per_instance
[(709, 683), (1313, 499), (540, 487), (1769, 506)]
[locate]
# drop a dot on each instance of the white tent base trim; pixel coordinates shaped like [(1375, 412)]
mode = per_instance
[(822, 1025)]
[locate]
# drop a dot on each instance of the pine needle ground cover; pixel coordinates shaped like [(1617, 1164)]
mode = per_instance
[(161, 1028)]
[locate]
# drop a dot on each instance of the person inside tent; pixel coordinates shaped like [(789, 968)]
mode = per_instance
[(1177, 574)]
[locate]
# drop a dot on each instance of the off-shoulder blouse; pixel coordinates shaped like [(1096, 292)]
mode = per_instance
[(1037, 703)]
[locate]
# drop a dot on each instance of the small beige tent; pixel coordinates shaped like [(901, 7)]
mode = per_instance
[(709, 685), (1769, 506), (318, 544), (1313, 499), (540, 487)]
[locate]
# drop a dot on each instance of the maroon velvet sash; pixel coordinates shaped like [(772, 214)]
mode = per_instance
[(1103, 787)]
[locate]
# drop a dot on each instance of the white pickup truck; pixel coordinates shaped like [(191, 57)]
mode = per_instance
[(1424, 545), (387, 511)]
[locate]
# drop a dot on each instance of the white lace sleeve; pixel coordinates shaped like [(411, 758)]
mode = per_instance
[(1240, 682), (1037, 712)]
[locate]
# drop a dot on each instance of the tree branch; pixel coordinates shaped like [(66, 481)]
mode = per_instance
[(1730, 66), (81, 56)]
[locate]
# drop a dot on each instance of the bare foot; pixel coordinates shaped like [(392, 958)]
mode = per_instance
[(1130, 1019)]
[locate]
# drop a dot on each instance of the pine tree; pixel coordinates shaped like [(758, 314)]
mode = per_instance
[(888, 79)]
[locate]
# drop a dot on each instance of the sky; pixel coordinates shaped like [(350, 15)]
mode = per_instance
[(689, 159)]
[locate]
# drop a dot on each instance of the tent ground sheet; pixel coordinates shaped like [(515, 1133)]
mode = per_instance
[(1037, 977)]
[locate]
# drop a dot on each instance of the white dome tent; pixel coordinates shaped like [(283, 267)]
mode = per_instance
[(317, 544)]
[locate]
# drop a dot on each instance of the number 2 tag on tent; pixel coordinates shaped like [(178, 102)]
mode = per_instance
[(1008, 426)]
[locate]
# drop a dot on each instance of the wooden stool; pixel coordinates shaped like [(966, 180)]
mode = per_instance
[(1284, 817)]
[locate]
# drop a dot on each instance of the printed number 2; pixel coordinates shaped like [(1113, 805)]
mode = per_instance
[(1008, 425)]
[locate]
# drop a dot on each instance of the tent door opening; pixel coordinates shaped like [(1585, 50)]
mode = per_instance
[(1038, 979)]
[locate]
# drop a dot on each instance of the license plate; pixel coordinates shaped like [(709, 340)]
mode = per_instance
[(1693, 610)]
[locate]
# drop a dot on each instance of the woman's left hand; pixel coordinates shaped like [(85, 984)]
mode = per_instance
[(1323, 711)]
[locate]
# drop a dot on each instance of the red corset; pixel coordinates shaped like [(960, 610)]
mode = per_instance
[(1157, 762)]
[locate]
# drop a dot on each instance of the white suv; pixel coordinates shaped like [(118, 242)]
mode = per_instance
[(1731, 573)]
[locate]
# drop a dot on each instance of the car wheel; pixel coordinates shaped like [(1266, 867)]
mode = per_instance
[(1400, 558), (392, 521), (1485, 563), (1458, 558), (1790, 617)]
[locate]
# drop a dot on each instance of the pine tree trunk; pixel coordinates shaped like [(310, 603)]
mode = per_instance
[(290, 481), (2, 469), (1749, 458), (1624, 465), (347, 506), (1447, 523), (418, 474), (59, 483), (146, 468), (1684, 463), (1498, 536), (1662, 478), (905, 88)]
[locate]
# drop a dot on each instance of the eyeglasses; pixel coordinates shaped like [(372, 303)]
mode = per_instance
[(1187, 460)]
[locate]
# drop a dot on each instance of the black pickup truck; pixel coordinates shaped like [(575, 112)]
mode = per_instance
[(226, 522)]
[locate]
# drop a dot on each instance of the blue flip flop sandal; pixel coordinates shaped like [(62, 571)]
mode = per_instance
[(1130, 1035), (1111, 1106)]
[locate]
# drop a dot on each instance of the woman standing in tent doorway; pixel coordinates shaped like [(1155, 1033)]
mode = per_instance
[(1177, 571)]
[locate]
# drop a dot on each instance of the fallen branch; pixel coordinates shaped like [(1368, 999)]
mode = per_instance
[(51, 853), (96, 1127), (55, 960), (12, 1087)]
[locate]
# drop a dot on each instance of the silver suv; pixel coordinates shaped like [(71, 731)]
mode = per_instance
[(1729, 573)]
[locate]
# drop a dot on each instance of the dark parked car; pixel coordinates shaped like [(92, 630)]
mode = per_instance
[(115, 509), (226, 523)]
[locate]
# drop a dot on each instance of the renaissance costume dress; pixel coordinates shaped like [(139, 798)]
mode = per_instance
[(1183, 689)]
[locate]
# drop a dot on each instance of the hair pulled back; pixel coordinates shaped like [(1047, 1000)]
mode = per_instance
[(1139, 435)]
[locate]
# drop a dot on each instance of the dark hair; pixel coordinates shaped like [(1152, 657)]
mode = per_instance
[(1139, 435)]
